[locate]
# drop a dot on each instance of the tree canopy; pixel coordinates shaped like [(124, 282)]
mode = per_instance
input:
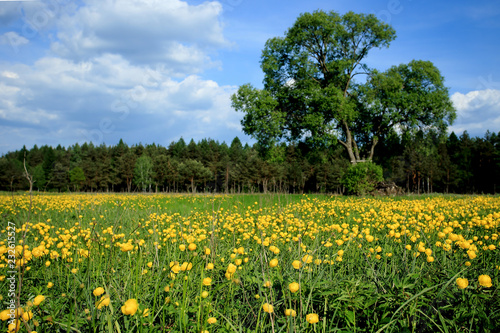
[(311, 94)]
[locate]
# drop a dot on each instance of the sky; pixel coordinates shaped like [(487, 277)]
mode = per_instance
[(153, 71)]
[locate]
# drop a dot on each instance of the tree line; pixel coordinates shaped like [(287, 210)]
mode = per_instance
[(419, 162)]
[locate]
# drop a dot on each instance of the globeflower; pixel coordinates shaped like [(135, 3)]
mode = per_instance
[(462, 283), (98, 291), (28, 315), (5, 315), (312, 318), (296, 264), (212, 320), (268, 308), (126, 247), (104, 301), (485, 281), (294, 287), (130, 307), (290, 313), (207, 281), (273, 263), (307, 259), (39, 299)]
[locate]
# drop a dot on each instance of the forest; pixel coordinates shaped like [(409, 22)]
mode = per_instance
[(420, 162)]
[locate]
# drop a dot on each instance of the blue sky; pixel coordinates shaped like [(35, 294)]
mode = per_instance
[(155, 70)]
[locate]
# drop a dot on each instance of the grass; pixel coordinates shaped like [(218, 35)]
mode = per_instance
[(362, 264)]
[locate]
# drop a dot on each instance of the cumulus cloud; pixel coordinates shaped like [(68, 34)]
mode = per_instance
[(117, 69), (477, 111), (60, 101), (170, 32)]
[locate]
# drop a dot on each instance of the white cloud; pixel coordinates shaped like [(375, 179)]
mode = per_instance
[(171, 32), (119, 69), (61, 101), (477, 111), (13, 39), (10, 75)]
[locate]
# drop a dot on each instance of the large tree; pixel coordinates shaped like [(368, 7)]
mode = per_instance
[(310, 93)]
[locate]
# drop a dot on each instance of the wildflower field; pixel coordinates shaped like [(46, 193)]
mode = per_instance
[(249, 263)]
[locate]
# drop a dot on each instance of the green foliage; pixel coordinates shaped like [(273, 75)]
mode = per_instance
[(143, 173), (362, 178), (418, 161), (77, 177), (310, 93), (194, 172)]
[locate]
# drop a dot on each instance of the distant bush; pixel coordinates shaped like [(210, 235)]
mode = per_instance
[(362, 178)]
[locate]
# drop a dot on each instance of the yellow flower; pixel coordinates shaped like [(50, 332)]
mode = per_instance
[(186, 266), (471, 254), (50, 285), (28, 315), (268, 284), (210, 266), (192, 247), (462, 283), (212, 320), (14, 327), (485, 281), (207, 281), (294, 287), (290, 313), (204, 294), (126, 247), (307, 258), (130, 307), (207, 251), (39, 299), (176, 268), (273, 263), (74, 270), (296, 264), (369, 238), (145, 313), (182, 247), (312, 318), (231, 269), (98, 291), (5, 315), (104, 301), (268, 308)]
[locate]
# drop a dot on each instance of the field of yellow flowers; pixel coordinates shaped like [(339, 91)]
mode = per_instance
[(249, 263)]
